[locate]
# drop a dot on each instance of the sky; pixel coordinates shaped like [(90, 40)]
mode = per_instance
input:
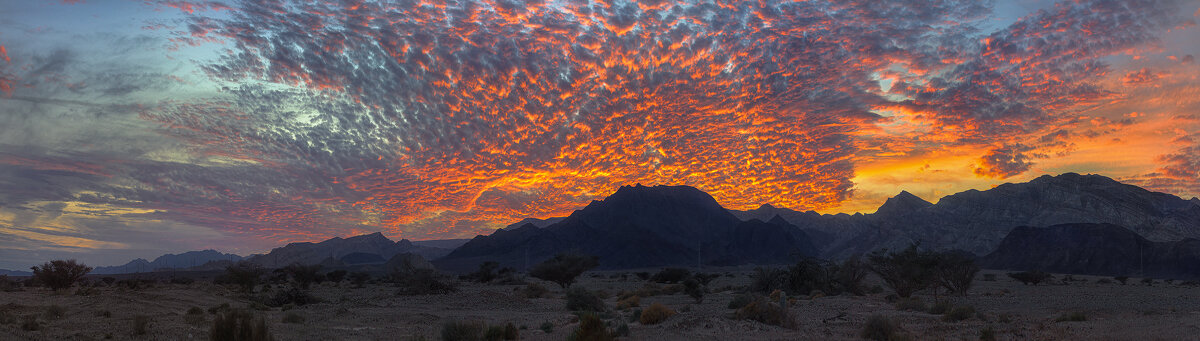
[(135, 128)]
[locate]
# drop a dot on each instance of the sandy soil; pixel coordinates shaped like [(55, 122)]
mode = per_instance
[(1014, 311)]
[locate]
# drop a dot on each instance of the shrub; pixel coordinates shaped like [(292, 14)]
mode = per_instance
[(424, 282), (60, 274), (290, 296), (955, 271), (655, 313), (534, 290), (766, 312), (741, 300), (879, 328), (141, 324), (987, 334), (850, 275), (1078, 316), (239, 325), (511, 332), (547, 327), (809, 274), (359, 278), (642, 275), (194, 315), (940, 307), (493, 333), (622, 330), (244, 274), (580, 299), (959, 313), (693, 288), (564, 268), (671, 275), (1104, 281), (1148, 281), (462, 331), (910, 303), (54, 312), (1121, 279), (1030, 277), (485, 273), (293, 317), (989, 277), (629, 302), (30, 323), (766, 280), (591, 328), (336, 276), (905, 272), (304, 275)]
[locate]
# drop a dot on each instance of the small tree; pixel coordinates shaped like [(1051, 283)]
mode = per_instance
[(906, 271), (359, 278), (304, 275), (336, 276), (245, 274), (955, 272), (60, 274), (564, 268), (486, 272)]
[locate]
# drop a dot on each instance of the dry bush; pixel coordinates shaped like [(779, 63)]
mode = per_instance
[(293, 317), (239, 325), (655, 313), (244, 274), (629, 302), (741, 300), (940, 307), (54, 312), (910, 303), (1077, 316), (766, 312), (194, 315), (671, 275), (1031, 277), (424, 282)]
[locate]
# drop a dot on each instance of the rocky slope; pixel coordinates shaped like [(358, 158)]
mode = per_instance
[(168, 261), (1094, 249)]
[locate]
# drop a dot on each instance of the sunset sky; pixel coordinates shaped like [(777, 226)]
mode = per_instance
[(134, 128)]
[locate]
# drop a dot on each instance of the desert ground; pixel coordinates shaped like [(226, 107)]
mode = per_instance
[(1011, 310)]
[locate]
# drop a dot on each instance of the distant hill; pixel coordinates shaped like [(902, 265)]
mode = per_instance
[(359, 248), (976, 221), (6, 272), (168, 262), (1094, 249), (640, 226)]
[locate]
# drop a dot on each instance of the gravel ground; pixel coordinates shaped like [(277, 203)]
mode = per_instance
[(1014, 311)]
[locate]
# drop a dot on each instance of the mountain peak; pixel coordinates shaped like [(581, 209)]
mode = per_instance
[(902, 203)]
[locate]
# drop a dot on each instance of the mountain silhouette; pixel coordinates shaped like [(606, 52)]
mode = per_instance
[(1094, 249), (639, 226)]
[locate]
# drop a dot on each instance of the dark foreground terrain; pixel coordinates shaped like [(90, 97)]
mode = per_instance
[(1087, 307)]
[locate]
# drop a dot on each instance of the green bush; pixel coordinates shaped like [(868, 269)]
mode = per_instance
[(693, 288), (959, 313), (141, 324), (462, 331), (60, 274), (580, 299), (239, 325), (591, 328), (1078, 316), (940, 307), (54, 312), (293, 317), (879, 328), (671, 275), (1031, 277), (564, 268), (910, 303)]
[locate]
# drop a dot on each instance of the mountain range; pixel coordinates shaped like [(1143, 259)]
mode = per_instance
[(1067, 223)]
